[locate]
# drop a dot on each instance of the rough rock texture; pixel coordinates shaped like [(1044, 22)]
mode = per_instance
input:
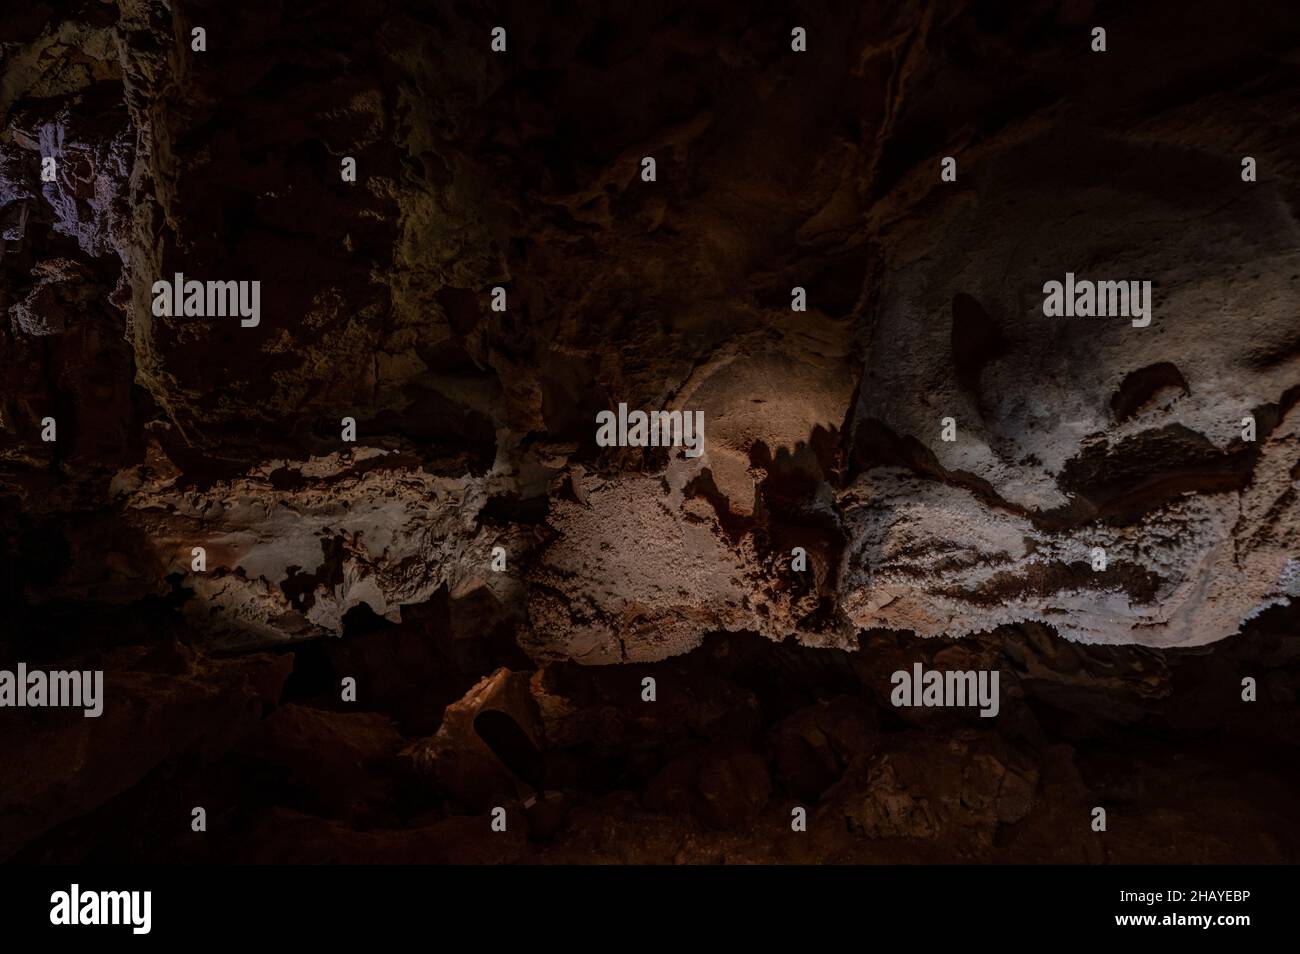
[(475, 428), (165, 703)]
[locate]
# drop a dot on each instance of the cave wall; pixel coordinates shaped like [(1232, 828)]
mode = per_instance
[(475, 428)]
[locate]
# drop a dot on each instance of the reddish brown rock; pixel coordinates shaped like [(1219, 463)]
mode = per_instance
[(341, 758), (459, 763), (812, 747), (61, 764)]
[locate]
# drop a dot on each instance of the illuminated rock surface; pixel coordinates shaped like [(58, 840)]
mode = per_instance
[(476, 429)]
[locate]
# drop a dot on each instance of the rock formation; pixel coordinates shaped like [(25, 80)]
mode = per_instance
[(373, 560)]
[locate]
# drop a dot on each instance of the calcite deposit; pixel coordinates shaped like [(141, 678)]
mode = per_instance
[(389, 481)]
